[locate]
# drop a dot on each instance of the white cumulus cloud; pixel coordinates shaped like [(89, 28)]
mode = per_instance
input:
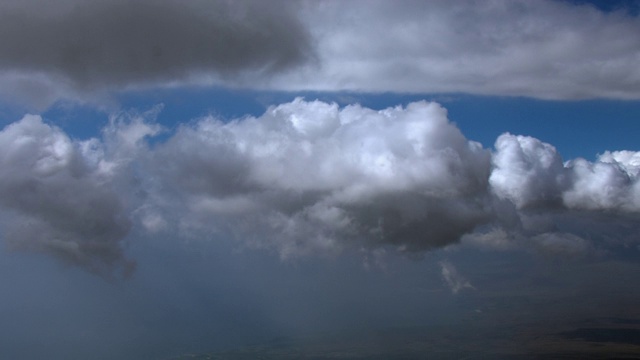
[(530, 173), (307, 177), (526, 171)]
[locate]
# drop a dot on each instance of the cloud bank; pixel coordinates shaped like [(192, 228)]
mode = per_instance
[(72, 47), (544, 49), (307, 178)]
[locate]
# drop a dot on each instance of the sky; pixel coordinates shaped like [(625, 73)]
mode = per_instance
[(191, 177)]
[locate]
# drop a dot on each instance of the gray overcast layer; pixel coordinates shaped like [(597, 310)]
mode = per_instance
[(95, 44), (545, 49)]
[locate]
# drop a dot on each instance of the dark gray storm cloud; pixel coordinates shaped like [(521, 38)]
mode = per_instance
[(102, 43)]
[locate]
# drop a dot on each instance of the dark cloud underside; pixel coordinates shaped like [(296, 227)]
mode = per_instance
[(102, 43)]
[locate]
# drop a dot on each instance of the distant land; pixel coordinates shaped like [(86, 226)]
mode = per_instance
[(598, 338)]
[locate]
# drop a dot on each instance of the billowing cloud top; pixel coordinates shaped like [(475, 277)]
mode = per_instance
[(308, 178), (308, 175), (544, 49)]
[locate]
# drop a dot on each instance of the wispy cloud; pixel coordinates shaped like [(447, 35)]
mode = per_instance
[(453, 279)]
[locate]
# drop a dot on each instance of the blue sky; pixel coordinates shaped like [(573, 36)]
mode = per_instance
[(197, 177)]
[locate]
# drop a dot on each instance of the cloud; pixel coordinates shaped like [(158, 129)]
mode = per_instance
[(454, 280), (542, 49), (60, 197), (308, 178), (494, 238), (567, 208), (101, 45), (531, 173), (526, 171), (563, 244), (606, 184)]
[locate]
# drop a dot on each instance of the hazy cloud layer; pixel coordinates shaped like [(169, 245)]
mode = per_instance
[(545, 49), (309, 178)]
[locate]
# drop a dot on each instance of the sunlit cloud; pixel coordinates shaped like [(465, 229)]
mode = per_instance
[(307, 178)]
